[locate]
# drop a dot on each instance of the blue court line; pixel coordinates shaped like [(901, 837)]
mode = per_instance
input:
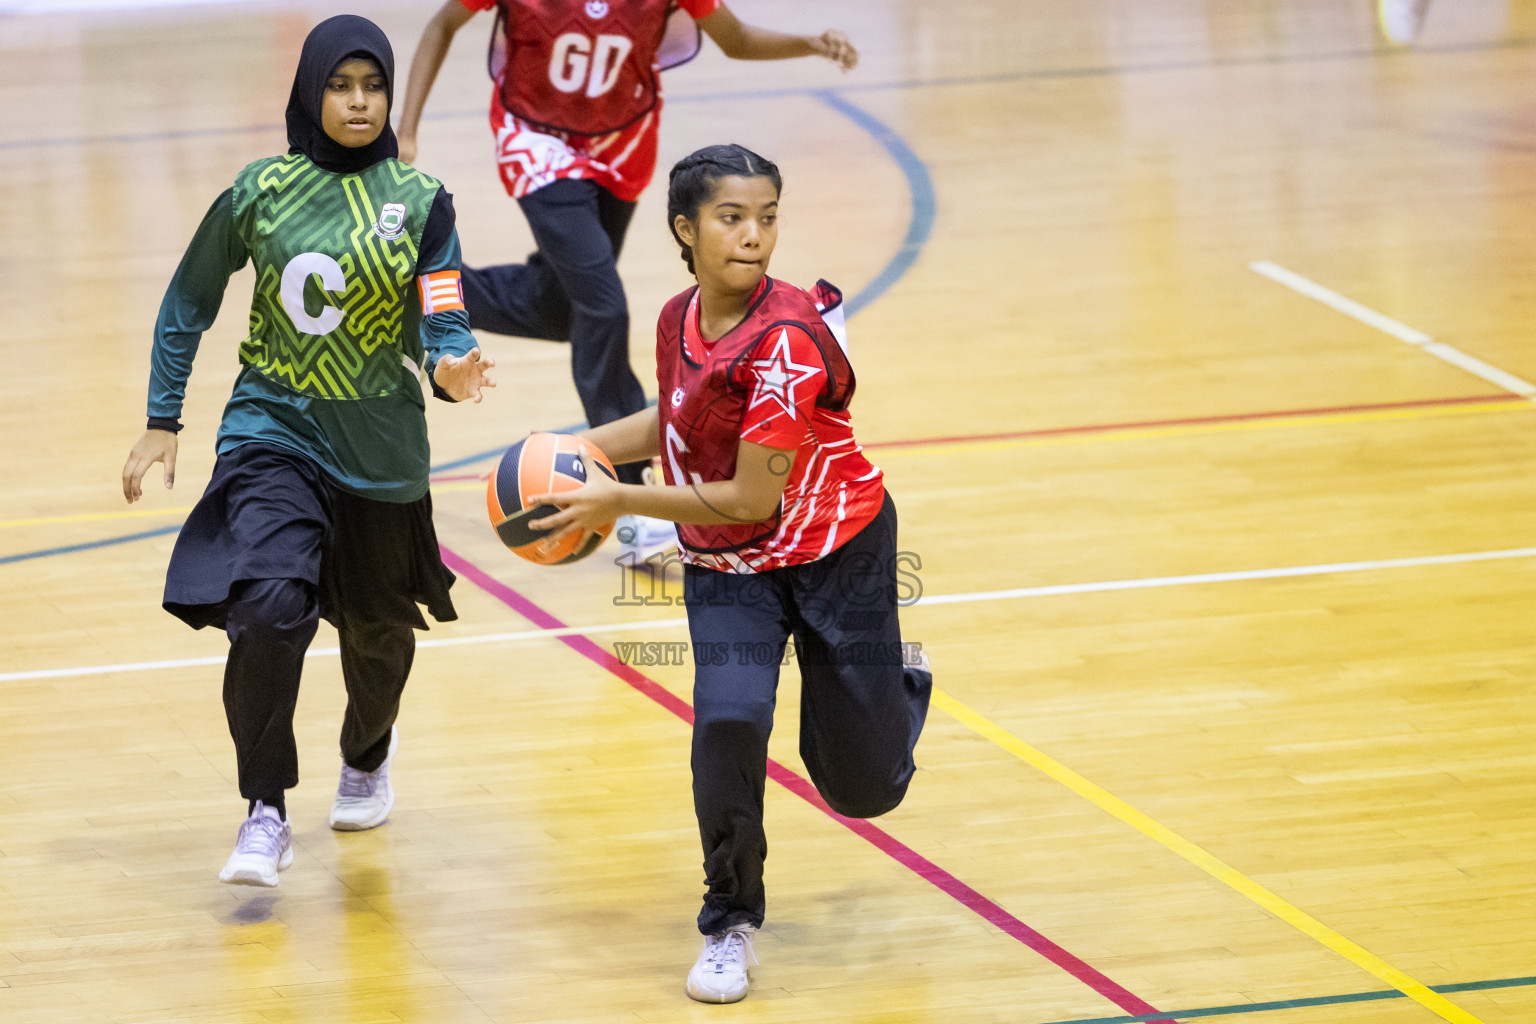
[(104, 542), (919, 228), (470, 460), (998, 78), (108, 541), (919, 183), (1294, 1004)]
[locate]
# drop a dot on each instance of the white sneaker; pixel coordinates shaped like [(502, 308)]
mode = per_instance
[(262, 849), (1401, 20), (720, 974), (364, 799), (641, 535)]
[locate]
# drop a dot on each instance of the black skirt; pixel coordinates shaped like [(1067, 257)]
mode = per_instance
[(271, 513)]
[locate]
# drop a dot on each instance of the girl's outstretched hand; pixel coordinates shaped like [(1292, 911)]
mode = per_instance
[(593, 505), (155, 446), (463, 376), (835, 46)]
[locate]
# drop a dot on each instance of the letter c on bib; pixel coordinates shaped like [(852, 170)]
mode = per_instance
[(295, 275), (676, 447)]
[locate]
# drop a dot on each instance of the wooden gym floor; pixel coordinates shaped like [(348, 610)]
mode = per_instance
[(1193, 338)]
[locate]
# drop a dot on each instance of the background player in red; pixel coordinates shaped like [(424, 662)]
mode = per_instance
[(786, 529), (575, 112)]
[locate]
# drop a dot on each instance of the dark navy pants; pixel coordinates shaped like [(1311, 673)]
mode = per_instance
[(861, 708), (569, 290), (270, 624), (271, 548)]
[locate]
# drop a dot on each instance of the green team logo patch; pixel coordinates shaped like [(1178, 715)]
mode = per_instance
[(391, 223)]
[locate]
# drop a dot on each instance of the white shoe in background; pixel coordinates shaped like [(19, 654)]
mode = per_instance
[(640, 536), (364, 799), (1401, 20)]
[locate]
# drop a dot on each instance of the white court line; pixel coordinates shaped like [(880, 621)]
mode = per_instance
[(1145, 583), (1349, 307), (331, 652), (81, 6), (1474, 365), (1227, 577)]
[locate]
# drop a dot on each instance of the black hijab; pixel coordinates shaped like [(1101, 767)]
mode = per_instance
[(331, 44)]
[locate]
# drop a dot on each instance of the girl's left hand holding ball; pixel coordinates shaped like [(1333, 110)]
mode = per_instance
[(593, 506)]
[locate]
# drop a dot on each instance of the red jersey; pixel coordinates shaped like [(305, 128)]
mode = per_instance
[(781, 378), (577, 93)]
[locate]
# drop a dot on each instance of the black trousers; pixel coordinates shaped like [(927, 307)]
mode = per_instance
[(862, 708), (270, 549), (270, 624), (569, 290)]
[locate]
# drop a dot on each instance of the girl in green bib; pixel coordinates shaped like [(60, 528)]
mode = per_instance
[(318, 505)]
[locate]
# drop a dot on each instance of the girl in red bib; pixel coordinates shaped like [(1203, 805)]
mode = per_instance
[(575, 111), (786, 530)]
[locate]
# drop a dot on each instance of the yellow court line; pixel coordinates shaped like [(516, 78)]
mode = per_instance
[(1217, 869), (132, 513), (878, 453)]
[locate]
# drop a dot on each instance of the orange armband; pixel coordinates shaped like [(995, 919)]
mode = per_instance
[(440, 292)]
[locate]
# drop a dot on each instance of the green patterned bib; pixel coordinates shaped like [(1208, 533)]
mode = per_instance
[(335, 259)]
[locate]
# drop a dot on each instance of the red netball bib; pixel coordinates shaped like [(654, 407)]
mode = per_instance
[(586, 67)]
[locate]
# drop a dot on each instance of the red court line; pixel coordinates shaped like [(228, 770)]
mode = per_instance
[(1192, 421), (801, 787), (1104, 428)]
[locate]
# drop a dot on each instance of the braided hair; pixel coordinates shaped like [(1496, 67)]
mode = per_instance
[(693, 178)]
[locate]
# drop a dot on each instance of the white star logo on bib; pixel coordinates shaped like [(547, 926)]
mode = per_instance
[(779, 375)]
